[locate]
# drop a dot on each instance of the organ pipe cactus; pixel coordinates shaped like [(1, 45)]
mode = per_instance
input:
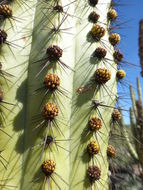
[(58, 90), (141, 44), (136, 122)]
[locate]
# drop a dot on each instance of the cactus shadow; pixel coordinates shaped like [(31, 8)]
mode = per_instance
[(37, 179), (19, 120), (90, 39), (87, 184), (85, 156)]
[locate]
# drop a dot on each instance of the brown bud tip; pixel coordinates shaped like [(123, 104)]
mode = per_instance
[(94, 173), (58, 8), (3, 36), (95, 124), (102, 75), (1, 95), (5, 11), (93, 148), (112, 14), (54, 53), (48, 167), (50, 111), (97, 32), (93, 17), (0, 66), (92, 3), (100, 53), (111, 151), (118, 56), (114, 39), (120, 74), (49, 140), (52, 81), (116, 115)]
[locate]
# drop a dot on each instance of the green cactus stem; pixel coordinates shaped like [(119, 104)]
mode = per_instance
[(59, 97)]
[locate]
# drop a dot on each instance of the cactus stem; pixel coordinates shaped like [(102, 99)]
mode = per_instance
[(96, 104), (49, 22), (58, 8), (5, 75), (101, 76), (3, 37), (5, 132), (56, 29), (3, 161), (49, 142), (53, 55), (48, 168), (7, 186)]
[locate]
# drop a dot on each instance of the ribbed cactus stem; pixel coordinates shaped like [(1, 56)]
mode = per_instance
[(139, 90), (136, 119), (83, 102), (131, 148), (14, 57), (141, 44), (63, 90), (133, 123), (133, 98)]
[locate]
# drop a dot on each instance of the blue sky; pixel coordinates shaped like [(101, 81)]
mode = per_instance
[(131, 11)]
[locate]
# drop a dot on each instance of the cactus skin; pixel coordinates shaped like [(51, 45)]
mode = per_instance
[(35, 35)]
